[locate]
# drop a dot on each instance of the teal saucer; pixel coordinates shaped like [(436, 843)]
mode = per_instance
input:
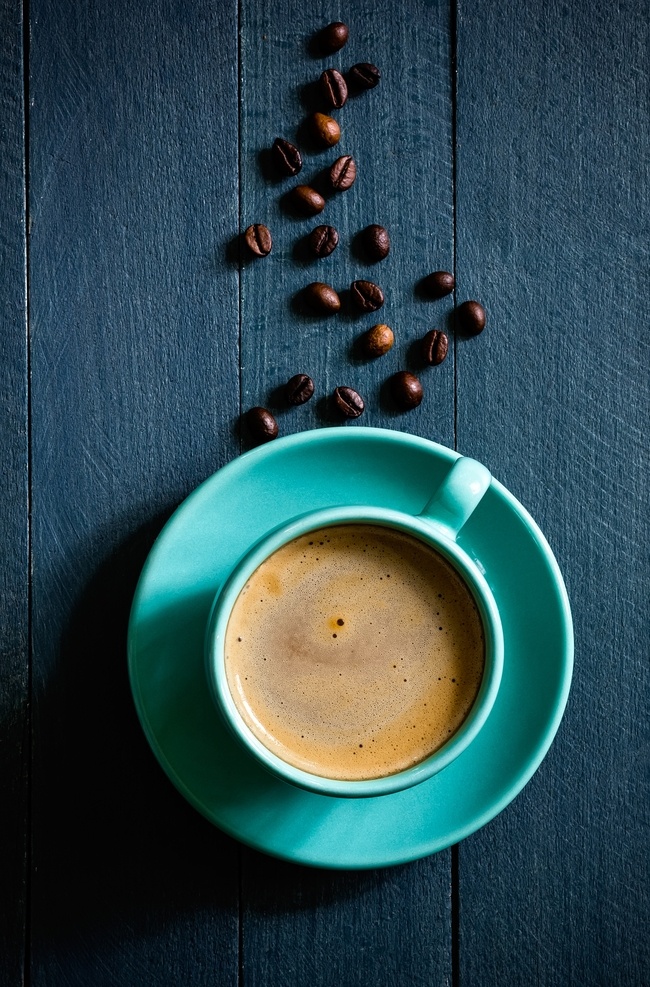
[(192, 557)]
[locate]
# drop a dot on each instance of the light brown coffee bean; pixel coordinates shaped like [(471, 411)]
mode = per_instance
[(343, 173), (258, 240), (367, 297), (306, 200), (324, 129), (378, 340), (434, 347), (321, 298)]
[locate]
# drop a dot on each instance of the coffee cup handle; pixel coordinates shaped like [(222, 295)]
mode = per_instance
[(457, 496)]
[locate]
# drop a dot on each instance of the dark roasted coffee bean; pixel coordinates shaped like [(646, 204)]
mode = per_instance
[(376, 242), (349, 402), (321, 298), (368, 297), (471, 318), (286, 157), (343, 173), (258, 240), (299, 389), (406, 390), (363, 76), (261, 425), (331, 38), (438, 284), (307, 200), (434, 347), (378, 340), (323, 240), (333, 89), (325, 130)]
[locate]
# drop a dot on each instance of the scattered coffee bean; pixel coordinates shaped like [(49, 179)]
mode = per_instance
[(376, 242), (378, 340), (258, 240), (406, 390), (434, 347), (299, 389), (323, 240), (363, 76), (325, 130), (471, 318), (368, 297), (438, 284), (349, 402), (321, 298), (261, 425), (286, 157), (343, 173), (307, 200), (333, 88), (331, 38)]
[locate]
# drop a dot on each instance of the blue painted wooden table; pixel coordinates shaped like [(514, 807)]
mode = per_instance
[(506, 143)]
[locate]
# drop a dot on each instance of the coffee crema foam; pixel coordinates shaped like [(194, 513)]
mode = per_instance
[(354, 652)]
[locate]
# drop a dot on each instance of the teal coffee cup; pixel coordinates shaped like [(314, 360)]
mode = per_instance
[(357, 651)]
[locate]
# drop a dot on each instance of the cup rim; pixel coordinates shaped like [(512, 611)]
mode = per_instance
[(423, 529)]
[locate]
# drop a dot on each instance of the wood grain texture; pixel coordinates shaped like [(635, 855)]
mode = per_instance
[(14, 525), (302, 927), (135, 399), (552, 237)]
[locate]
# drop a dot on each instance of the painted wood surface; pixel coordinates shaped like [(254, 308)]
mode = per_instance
[(14, 514), (553, 236), (148, 126)]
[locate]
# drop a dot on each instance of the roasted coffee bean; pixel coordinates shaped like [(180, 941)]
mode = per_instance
[(363, 76), (286, 157), (349, 402), (323, 240), (331, 38), (343, 173), (471, 318), (261, 425), (321, 298), (368, 297), (406, 390), (258, 240), (333, 89), (325, 130), (438, 284), (299, 389), (434, 347), (376, 242), (306, 200), (378, 340)]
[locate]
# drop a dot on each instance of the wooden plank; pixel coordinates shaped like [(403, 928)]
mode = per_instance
[(300, 925), (14, 524), (135, 397), (552, 237)]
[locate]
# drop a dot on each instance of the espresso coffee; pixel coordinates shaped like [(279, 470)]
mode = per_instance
[(354, 652)]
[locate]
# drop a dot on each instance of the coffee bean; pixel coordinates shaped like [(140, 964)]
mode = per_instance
[(363, 76), (343, 173), (286, 157), (406, 390), (321, 298), (438, 284), (471, 318), (258, 240), (333, 88), (323, 240), (434, 347), (306, 200), (261, 425), (376, 242), (331, 38), (368, 297), (378, 340), (349, 402), (325, 130), (299, 389)]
